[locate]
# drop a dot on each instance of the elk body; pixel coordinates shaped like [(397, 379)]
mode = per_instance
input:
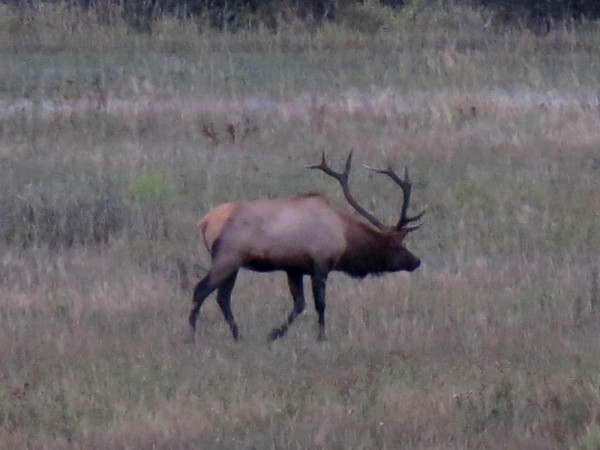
[(303, 235)]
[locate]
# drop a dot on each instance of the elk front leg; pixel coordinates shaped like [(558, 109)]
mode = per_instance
[(319, 283), (297, 290)]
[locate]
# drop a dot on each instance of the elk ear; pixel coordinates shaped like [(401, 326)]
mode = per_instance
[(402, 232)]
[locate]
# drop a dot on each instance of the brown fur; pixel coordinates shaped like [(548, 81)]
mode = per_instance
[(303, 235), (212, 224), (282, 231)]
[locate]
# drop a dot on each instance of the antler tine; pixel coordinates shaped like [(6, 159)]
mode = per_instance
[(342, 178), (406, 187)]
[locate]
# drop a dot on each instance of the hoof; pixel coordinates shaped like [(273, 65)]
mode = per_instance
[(275, 334), (190, 338)]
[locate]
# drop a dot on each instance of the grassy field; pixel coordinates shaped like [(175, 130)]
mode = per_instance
[(112, 144)]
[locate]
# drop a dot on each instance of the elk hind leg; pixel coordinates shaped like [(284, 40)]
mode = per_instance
[(203, 289), (224, 301), (297, 290)]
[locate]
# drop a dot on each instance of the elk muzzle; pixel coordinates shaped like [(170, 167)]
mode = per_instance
[(413, 264)]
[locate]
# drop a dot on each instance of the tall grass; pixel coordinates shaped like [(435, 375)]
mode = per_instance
[(112, 144)]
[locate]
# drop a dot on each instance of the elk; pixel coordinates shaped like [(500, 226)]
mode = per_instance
[(302, 235)]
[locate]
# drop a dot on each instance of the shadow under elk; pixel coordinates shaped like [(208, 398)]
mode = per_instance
[(302, 235)]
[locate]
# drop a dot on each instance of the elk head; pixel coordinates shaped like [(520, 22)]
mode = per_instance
[(398, 257)]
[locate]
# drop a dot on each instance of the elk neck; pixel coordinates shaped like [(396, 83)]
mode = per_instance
[(367, 250)]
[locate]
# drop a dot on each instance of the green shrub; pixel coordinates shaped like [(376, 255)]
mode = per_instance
[(152, 188)]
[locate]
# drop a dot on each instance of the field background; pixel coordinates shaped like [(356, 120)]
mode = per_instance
[(113, 143)]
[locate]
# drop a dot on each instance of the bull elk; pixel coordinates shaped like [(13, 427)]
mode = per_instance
[(302, 235)]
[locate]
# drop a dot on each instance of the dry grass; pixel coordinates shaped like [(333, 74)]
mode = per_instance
[(491, 344)]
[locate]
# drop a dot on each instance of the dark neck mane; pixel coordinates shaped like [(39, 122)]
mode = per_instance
[(367, 251)]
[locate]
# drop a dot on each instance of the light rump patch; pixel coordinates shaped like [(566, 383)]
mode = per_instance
[(213, 223)]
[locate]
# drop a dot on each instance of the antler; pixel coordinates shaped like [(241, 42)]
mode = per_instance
[(406, 187), (343, 180)]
